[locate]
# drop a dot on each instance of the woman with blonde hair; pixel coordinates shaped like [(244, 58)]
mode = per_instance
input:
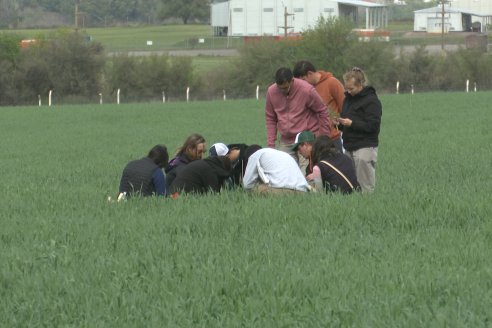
[(360, 123)]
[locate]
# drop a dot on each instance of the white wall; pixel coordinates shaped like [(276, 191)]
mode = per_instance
[(266, 17)]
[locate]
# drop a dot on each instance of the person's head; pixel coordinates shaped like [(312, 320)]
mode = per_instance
[(218, 149), (283, 79), (159, 155), (193, 147), (247, 154), (304, 143), (355, 80), (306, 71), (323, 146)]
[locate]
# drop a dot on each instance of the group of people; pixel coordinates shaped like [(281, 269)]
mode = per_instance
[(328, 141)]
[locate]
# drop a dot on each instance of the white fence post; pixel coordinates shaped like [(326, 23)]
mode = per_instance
[(49, 98), (475, 86), (467, 86), (187, 94), (413, 90), (163, 97), (100, 98), (224, 92), (257, 92), (39, 100), (118, 96), (397, 87)]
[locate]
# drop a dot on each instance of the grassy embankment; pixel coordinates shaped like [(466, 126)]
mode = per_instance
[(415, 253)]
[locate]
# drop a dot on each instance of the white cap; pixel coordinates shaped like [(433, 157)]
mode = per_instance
[(218, 149)]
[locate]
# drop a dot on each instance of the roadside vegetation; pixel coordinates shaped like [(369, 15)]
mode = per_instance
[(32, 72)]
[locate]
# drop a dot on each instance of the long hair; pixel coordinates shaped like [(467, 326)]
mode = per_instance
[(190, 143), (323, 147)]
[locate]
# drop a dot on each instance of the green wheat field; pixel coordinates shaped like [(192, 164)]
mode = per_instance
[(416, 253)]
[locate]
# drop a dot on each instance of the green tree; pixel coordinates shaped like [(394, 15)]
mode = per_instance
[(185, 9)]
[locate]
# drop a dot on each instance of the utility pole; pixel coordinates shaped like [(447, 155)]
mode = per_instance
[(285, 27), (442, 24)]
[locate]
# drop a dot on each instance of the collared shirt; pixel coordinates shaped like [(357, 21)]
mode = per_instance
[(274, 168), (302, 109)]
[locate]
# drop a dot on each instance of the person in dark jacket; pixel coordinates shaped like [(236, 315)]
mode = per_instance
[(144, 177), (191, 150), (333, 170), (202, 176), (360, 122)]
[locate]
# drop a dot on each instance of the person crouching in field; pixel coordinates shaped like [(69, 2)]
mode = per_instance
[(304, 145), (271, 171), (202, 176), (144, 177), (191, 150), (333, 170)]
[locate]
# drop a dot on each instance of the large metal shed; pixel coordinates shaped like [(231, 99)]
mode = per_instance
[(281, 17)]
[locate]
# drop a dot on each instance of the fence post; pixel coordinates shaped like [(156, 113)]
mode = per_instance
[(100, 98), (475, 86), (39, 100), (257, 92), (118, 96), (163, 97), (397, 87), (413, 90), (49, 98), (187, 94), (224, 92), (467, 86)]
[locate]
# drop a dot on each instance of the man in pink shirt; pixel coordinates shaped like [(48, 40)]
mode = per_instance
[(293, 105)]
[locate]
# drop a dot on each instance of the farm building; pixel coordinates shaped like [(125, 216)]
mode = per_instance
[(281, 17), (455, 20)]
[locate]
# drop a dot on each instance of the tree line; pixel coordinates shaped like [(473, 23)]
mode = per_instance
[(78, 70), (15, 13)]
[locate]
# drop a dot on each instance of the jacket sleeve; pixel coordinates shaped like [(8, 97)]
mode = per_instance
[(251, 174), (372, 117), (317, 105), (159, 181), (271, 121), (338, 92)]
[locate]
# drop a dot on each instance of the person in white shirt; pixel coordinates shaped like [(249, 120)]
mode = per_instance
[(272, 171)]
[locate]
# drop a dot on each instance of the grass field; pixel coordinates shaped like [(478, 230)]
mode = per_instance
[(416, 253)]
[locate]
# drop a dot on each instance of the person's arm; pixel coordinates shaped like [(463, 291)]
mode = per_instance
[(159, 182), (271, 121), (250, 177), (372, 118), (317, 105), (318, 181), (337, 91)]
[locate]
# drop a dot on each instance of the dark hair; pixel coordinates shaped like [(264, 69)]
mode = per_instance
[(283, 75), (323, 146), (247, 154), (301, 68), (191, 142), (159, 155)]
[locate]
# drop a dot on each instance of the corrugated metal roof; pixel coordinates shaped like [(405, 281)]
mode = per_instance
[(438, 9), (360, 3)]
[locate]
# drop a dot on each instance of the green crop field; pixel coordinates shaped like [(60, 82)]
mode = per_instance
[(416, 253)]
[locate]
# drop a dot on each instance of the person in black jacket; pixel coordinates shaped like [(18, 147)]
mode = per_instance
[(202, 176), (333, 170), (144, 177), (360, 122)]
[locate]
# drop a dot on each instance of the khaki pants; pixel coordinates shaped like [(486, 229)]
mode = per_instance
[(264, 189), (365, 160)]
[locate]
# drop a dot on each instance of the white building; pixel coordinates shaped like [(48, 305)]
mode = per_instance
[(456, 19), (280, 17)]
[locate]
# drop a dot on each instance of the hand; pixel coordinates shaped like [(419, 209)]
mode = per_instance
[(345, 121)]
